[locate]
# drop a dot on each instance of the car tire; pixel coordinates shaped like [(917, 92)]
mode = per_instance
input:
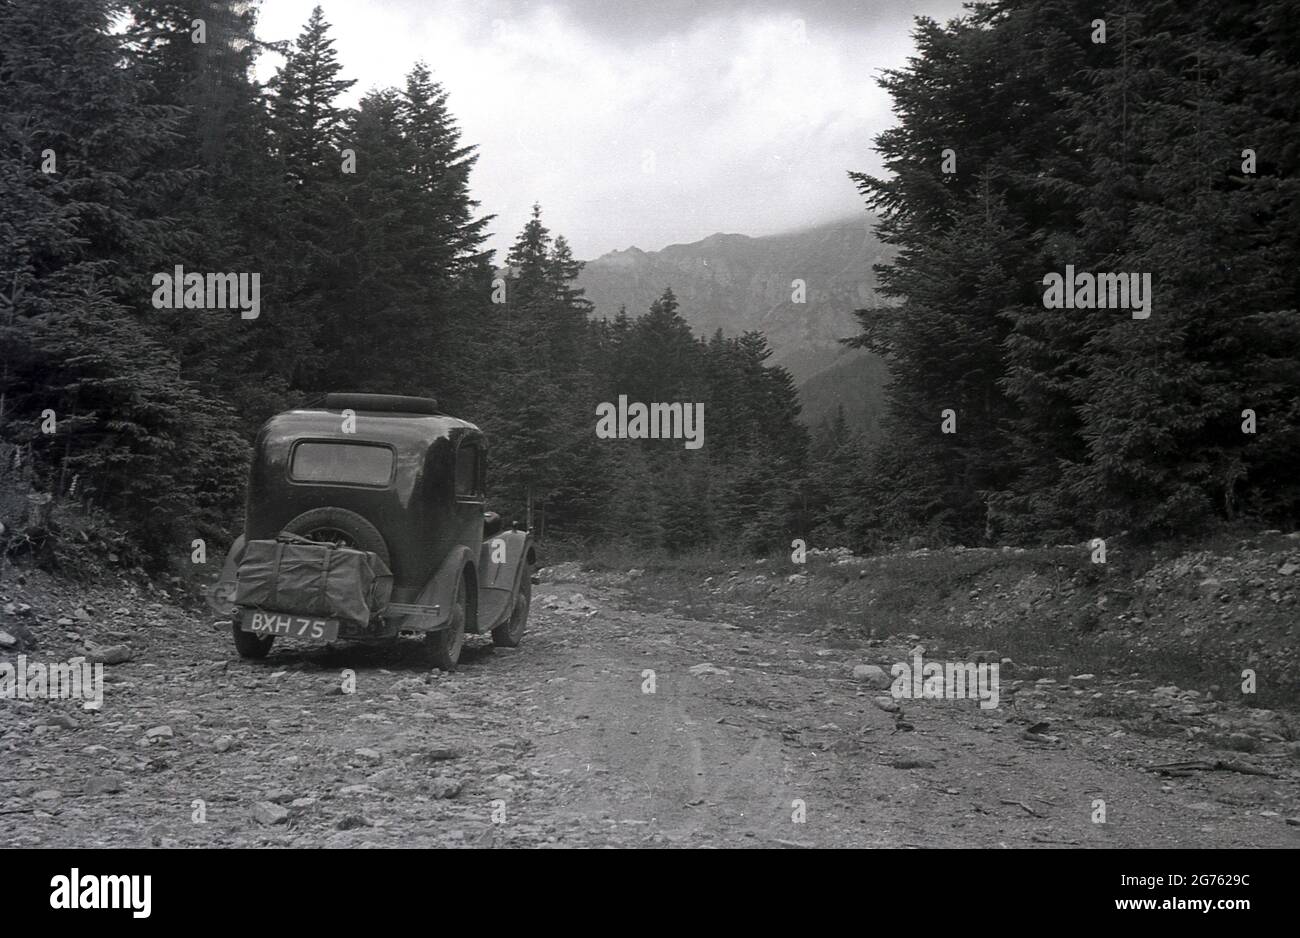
[(330, 523), (511, 632), (445, 644), (251, 646)]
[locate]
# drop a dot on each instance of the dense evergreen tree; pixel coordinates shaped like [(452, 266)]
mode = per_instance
[(84, 378), (1023, 145), (1122, 155), (307, 118)]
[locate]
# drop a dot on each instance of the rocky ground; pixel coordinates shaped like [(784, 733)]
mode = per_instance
[(632, 715)]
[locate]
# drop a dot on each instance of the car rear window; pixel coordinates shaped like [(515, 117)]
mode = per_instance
[(347, 463)]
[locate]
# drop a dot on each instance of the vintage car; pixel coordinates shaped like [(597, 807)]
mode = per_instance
[(379, 484)]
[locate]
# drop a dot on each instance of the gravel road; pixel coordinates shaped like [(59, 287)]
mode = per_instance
[(610, 726)]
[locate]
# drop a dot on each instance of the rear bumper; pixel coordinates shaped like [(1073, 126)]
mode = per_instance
[(397, 617), (414, 617)]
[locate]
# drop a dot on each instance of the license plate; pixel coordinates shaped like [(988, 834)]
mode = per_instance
[(288, 625)]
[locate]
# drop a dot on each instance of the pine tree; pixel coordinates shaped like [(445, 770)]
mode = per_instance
[(453, 235), (660, 357), (306, 116), (1117, 156), (223, 187), (78, 335), (540, 404)]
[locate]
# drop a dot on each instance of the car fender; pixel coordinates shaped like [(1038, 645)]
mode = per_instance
[(441, 589), (504, 560), (221, 596)]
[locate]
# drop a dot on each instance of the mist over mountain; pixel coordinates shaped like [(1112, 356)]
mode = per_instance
[(737, 283)]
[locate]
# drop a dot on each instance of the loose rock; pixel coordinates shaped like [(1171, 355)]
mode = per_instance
[(110, 654), (104, 784), (264, 812), (871, 675)]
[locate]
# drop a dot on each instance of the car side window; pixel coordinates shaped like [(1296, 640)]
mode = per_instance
[(468, 458)]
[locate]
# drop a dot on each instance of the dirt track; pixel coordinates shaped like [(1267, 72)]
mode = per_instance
[(556, 743)]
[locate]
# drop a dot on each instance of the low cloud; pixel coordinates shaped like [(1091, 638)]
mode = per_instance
[(644, 126)]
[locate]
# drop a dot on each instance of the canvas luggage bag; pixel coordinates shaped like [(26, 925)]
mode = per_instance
[(313, 579)]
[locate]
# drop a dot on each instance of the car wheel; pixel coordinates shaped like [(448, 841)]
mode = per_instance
[(445, 644), (342, 526), (249, 645), (510, 633)]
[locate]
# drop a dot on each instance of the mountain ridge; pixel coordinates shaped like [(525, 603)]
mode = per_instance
[(737, 283)]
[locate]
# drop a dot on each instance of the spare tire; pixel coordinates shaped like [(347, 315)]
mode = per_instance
[(339, 524)]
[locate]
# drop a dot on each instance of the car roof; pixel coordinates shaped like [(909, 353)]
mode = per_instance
[(396, 427), (385, 403)]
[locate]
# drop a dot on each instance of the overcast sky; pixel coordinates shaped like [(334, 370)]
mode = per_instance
[(646, 122)]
